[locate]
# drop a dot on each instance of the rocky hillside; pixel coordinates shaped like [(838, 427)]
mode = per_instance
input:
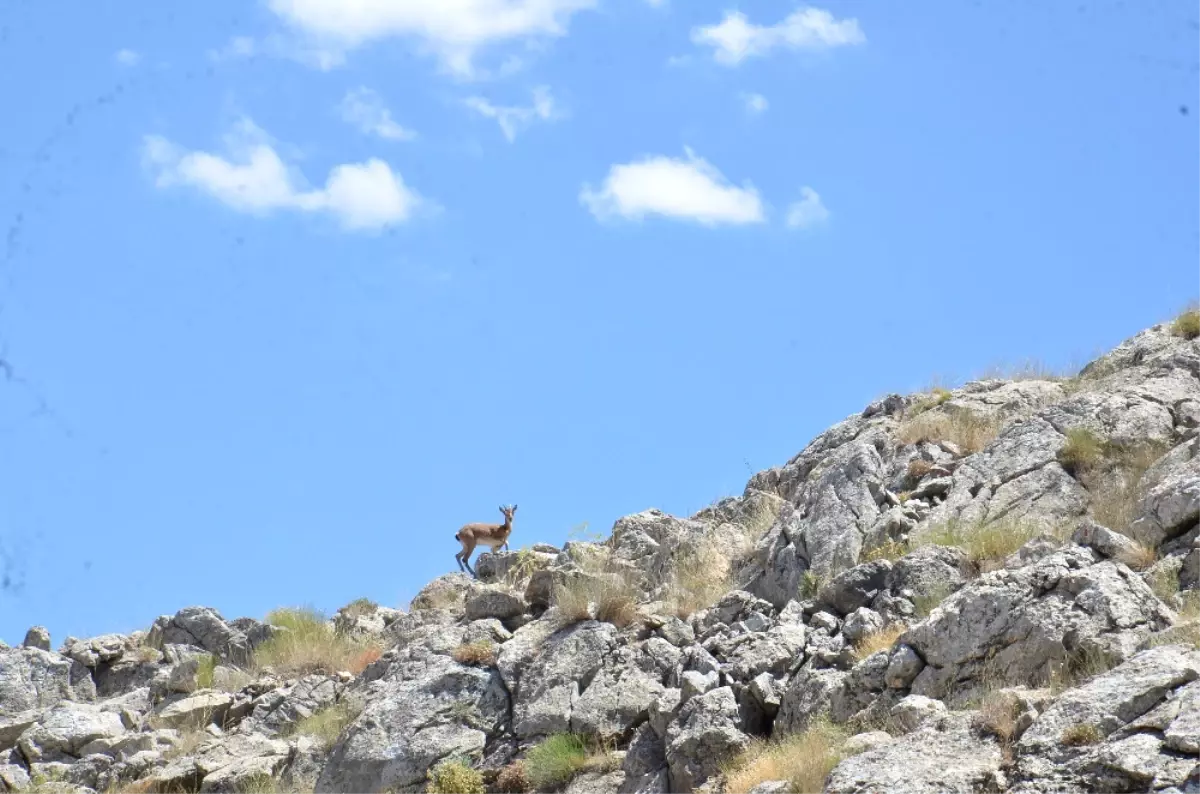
[(994, 588)]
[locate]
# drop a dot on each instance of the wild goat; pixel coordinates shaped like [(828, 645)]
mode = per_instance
[(493, 536)]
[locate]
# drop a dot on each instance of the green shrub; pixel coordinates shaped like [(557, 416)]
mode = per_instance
[(454, 777), (554, 761), (359, 607), (1187, 324), (810, 585)]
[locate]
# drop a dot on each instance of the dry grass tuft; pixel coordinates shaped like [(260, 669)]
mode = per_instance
[(607, 595), (359, 607), (701, 577), (513, 779), (918, 468), (1139, 558), (891, 550), (998, 714), (880, 640), (478, 654), (804, 760), (1078, 667), (937, 396), (1084, 450), (1114, 484), (1187, 325), (988, 545), (310, 645), (1081, 735), (966, 429)]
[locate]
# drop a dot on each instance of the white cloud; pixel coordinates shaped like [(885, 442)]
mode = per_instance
[(755, 103), (254, 179), (452, 30), (808, 211), (511, 119), (237, 47), (364, 108), (127, 57), (684, 189), (735, 38)]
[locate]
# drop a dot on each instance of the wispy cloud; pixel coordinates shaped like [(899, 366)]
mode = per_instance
[(735, 38), (513, 119), (127, 57), (253, 178), (809, 211), (364, 108), (683, 189), (755, 103), (452, 30), (236, 48)]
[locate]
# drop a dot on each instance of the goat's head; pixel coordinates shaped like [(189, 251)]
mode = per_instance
[(508, 511)]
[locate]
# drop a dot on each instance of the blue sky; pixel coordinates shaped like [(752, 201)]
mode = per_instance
[(290, 292)]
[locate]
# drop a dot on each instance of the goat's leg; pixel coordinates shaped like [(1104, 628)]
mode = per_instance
[(470, 570)]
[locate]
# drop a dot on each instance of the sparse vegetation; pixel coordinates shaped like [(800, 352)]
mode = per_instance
[(1114, 484), (1165, 584), (204, 673), (804, 760), (454, 777), (554, 761), (1187, 324), (988, 545), (810, 585), (522, 568), (937, 396), (309, 644), (1139, 558), (1084, 450), (966, 429), (481, 653), (701, 577), (261, 783), (1081, 735), (925, 603), (1078, 667), (879, 640), (359, 607), (998, 714), (890, 550), (326, 725), (189, 742), (600, 591)]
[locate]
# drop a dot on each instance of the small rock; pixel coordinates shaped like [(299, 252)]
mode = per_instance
[(825, 621), (903, 667), (860, 623), (862, 742), (914, 710), (693, 683), (37, 637)]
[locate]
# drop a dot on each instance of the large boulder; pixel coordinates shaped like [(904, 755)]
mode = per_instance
[(702, 738), (66, 731), (31, 678), (426, 708), (1025, 624), (202, 627), (946, 756), (553, 682)]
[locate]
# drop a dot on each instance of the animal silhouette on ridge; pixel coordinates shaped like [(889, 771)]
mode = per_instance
[(493, 536)]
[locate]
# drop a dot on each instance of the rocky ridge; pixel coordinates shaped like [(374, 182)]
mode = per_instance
[(994, 588)]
